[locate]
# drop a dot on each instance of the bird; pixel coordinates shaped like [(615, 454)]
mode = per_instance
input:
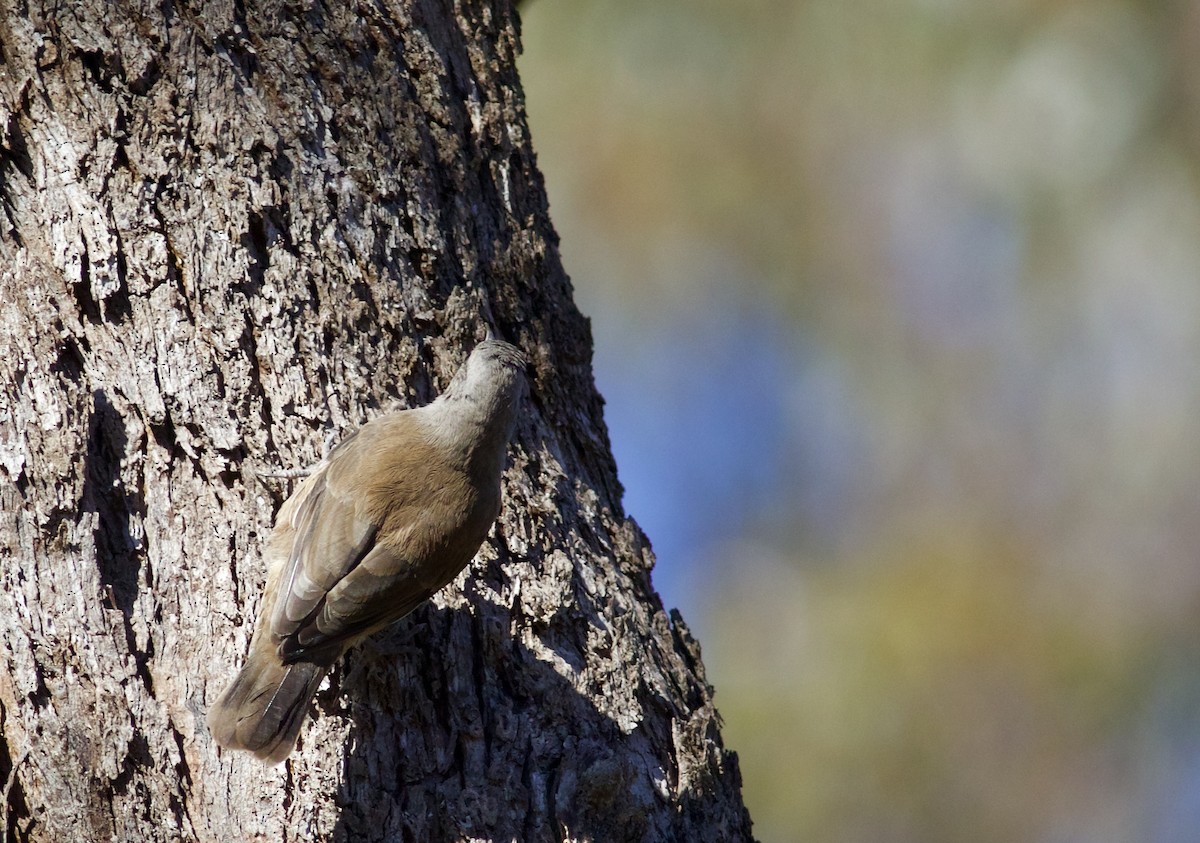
[(391, 515)]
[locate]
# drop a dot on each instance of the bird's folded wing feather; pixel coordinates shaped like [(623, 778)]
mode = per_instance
[(381, 589), (339, 581), (330, 539)]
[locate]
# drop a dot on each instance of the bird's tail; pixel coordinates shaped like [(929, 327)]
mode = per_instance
[(262, 709)]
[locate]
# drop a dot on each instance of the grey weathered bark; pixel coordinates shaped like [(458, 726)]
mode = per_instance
[(227, 230)]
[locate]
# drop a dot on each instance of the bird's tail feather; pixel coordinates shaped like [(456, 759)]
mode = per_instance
[(263, 708)]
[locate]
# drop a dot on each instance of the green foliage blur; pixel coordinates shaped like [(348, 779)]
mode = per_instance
[(946, 576)]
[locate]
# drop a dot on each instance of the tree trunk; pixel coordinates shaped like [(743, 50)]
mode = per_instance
[(229, 230)]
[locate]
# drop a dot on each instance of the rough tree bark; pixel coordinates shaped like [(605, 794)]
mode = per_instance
[(228, 229)]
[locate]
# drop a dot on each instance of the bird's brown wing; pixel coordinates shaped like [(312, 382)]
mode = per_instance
[(382, 588), (329, 540), (320, 535), (342, 577)]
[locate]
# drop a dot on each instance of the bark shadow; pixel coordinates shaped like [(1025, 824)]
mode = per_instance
[(118, 554), (459, 731)]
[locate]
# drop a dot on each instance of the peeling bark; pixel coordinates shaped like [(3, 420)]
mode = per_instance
[(226, 232)]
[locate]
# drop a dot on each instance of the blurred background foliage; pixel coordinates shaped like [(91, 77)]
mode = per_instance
[(897, 313)]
